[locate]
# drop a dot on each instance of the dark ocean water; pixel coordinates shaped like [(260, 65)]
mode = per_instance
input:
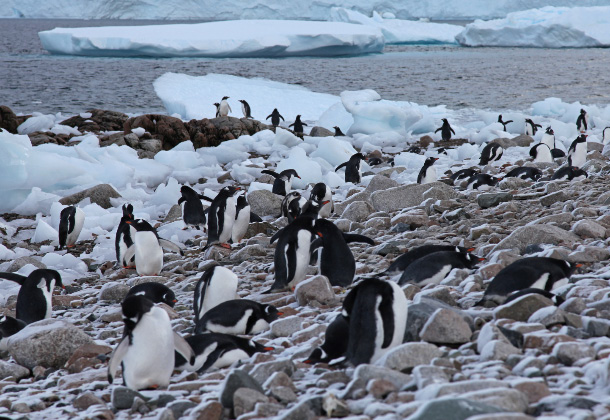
[(492, 78)]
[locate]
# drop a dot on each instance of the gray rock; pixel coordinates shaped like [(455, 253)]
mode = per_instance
[(361, 196), (522, 140), (419, 313), (428, 375), (458, 388), (247, 252), (452, 409), (589, 229), (505, 398), (151, 145), (235, 380), (550, 199), (262, 371), (502, 416), (364, 373), (100, 195), (411, 195), (285, 327), (498, 350), (446, 327), (536, 234), (279, 379), (549, 316), (86, 400), (123, 397), (20, 262), (522, 308), (414, 218), (48, 343), (513, 183), (406, 356), (358, 211), (488, 333), (488, 200), (245, 399), (307, 409), (132, 140), (265, 203), (317, 131), (114, 292), (174, 214), (12, 370), (569, 353), (380, 183), (315, 289), (283, 394), (179, 407)]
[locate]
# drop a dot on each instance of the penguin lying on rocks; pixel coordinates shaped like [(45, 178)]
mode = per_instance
[(238, 317), (433, 268), (335, 342), (217, 285), (401, 263), (155, 292)]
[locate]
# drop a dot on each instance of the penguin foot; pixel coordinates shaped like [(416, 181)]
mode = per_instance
[(185, 228), (228, 246)]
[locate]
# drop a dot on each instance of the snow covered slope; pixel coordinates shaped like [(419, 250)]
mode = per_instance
[(244, 38), (269, 9), (550, 27)]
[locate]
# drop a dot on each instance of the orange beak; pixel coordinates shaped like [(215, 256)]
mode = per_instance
[(269, 348), (280, 313), (578, 265), (470, 249)]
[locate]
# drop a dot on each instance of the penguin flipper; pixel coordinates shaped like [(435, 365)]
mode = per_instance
[(317, 243), (184, 348), (354, 237), (452, 130), (387, 319), (341, 166), (268, 172), (276, 235), (438, 129), (203, 197), (170, 246), (117, 357), (17, 278), (181, 200)]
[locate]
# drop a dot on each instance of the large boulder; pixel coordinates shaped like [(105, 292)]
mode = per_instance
[(212, 132), (411, 195), (522, 140), (99, 120), (100, 194), (265, 203), (8, 120), (420, 312), (537, 234), (170, 130)]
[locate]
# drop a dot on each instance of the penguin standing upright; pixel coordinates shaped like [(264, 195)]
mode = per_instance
[(238, 317), (338, 132), (298, 125), (155, 292), (445, 130), (548, 138), (192, 210), (148, 248), (275, 117), (541, 153), (217, 105), (224, 108), (9, 326), (525, 172), (427, 173), (376, 312), (242, 218), (321, 193), (433, 268), (335, 342), (352, 168), (531, 127), (146, 351), (606, 135), (577, 154), (124, 237), (245, 108), (34, 300), (217, 284), (582, 122), (71, 222), (221, 217), (283, 181), (491, 152), (504, 123)]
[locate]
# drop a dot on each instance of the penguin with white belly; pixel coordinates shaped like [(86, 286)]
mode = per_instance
[(146, 351), (577, 154), (238, 317), (245, 108), (221, 217), (148, 248), (321, 193), (582, 122), (217, 285), (525, 172), (283, 181), (224, 108), (242, 218), (401, 263), (427, 173), (192, 209), (292, 205), (433, 268), (531, 127), (491, 152), (155, 292), (606, 135), (71, 222), (541, 153), (124, 237), (482, 182), (461, 177), (548, 138)]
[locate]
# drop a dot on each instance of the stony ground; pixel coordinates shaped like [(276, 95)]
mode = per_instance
[(529, 357)]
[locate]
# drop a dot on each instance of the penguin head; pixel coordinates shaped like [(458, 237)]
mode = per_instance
[(47, 278), (550, 131), (271, 313), (358, 156), (187, 192), (582, 138), (242, 101), (228, 191), (169, 298), (500, 118), (583, 112), (318, 191), (128, 211), (141, 225), (298, 118), (430, 161), (254, 347), (290, 174), (568, 268), (317, 355), (224, 98), (217, 105), (134, 307), (445, 121)]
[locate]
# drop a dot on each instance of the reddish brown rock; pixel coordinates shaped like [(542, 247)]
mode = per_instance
[(170, 130), (100, 120), (8, 120), (212, 132)]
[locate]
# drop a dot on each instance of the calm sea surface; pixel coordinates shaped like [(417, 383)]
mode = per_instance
[(493, 78)]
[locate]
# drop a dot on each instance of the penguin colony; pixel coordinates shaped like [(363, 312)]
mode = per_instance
[(374, 314)]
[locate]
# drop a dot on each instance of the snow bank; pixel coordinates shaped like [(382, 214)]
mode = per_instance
[(549, 27), (243, 38)]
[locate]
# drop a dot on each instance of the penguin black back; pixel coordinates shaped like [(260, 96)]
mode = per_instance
[(67, 221), (531, 127), (123, 239), (352, 168), (401, 263), (525, 172), (445, 130), (463, 174), (491, 152), (192, 213), (338, 132), (569, 173), (298, 125), (423, 172), (283, 181), (581, 121), (155, 292), (9, 326), (335, 342), (504, 123), (239, 316), (275, 117), (216, 214), (433, 268), (246, 108)]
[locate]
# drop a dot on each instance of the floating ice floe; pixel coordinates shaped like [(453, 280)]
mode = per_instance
[(243, 38), (549, 27)]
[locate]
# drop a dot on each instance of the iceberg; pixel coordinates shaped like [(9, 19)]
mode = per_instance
[(549, 27), (243, 38)]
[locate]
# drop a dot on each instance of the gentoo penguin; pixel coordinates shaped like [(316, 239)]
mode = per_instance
[(504, 123), (124, 237), (148, 248), (482, 182), (376, 312), (427, 173), (532, 272), (374, 161), (217, 105), (557, 300), (242, 218), (582, 122), (606, 135), (224, 108), (275, 117), (71, 222), (433, 268), (577, 154), (548, 138), (463, 175), (525, 172), (292, 205), (352, 168), (35, 295), (221, 217), (155, 292), (541, 153), (335, 342), (336, 259), (401, 263), (283, 180), (146, 351), (569, 173), (321, 193), (338, 132), (9, 326), (531, 127), (217, 285), (298, 125), (445, 130), (238, 317), (217, 350), (245, 108), (192, 210), (491, 152)]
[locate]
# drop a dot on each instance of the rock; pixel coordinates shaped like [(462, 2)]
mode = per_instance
[(12, 370), (570, 353), (446, 327), (114, 292), (279, 379), (458, 388), (357, 211), (428, 375), (285, 327), (488, 200), (8, 119), (100, 120), (380, 388), (536, 234), (380, 183), (406, 356), (364, 373), (522, 140), (248, 252), (452, 409), (245, 399), (48, 343), (179, 407), (419, 313), (411, 195), (212, 132), (208, 411), (507, 399), (548, 316), (334, 407), (170, 131), (414, 218), (589, 229), (498, 350), (513, 183), (235, 380), (151, 145), (307, 409), (20, 262), (123, 397), (316, 289), (283, 394), (550, 199), (265, 203), (255, 228), (262, 371), (86, 400), (320, 132), (100, 195), (174, 214), (534, 389), (86, 355), (522, 308)]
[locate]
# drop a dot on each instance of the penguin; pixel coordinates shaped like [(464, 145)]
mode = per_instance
[(321, 193), (335, 342), (71, 222), (531, 127), (482, 182), (148, 248), (311, 209), (414, 149), (192, 210), (217, 350), (582, 122), (34, 300), (217, 105), (557, 300), (155, 292), (541, 153), (337, 262), (275, 117), (124, 237), (298, 125), (433, 268), (374, 161), (569, 173), (217, 285), (427, 173), (338, 132), (224, 108), (292, 205), (504, 123), (577, 154), (221, 217), (491, 152), (606, 135), (445, 130), (525, 172), (401, 263), (245, 108), (242, 218), (9, 326), (283, 180), (238, 317), (146, 351), (352, 168), (532, 272), (548, 138), (463, 175), (376, 312)]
